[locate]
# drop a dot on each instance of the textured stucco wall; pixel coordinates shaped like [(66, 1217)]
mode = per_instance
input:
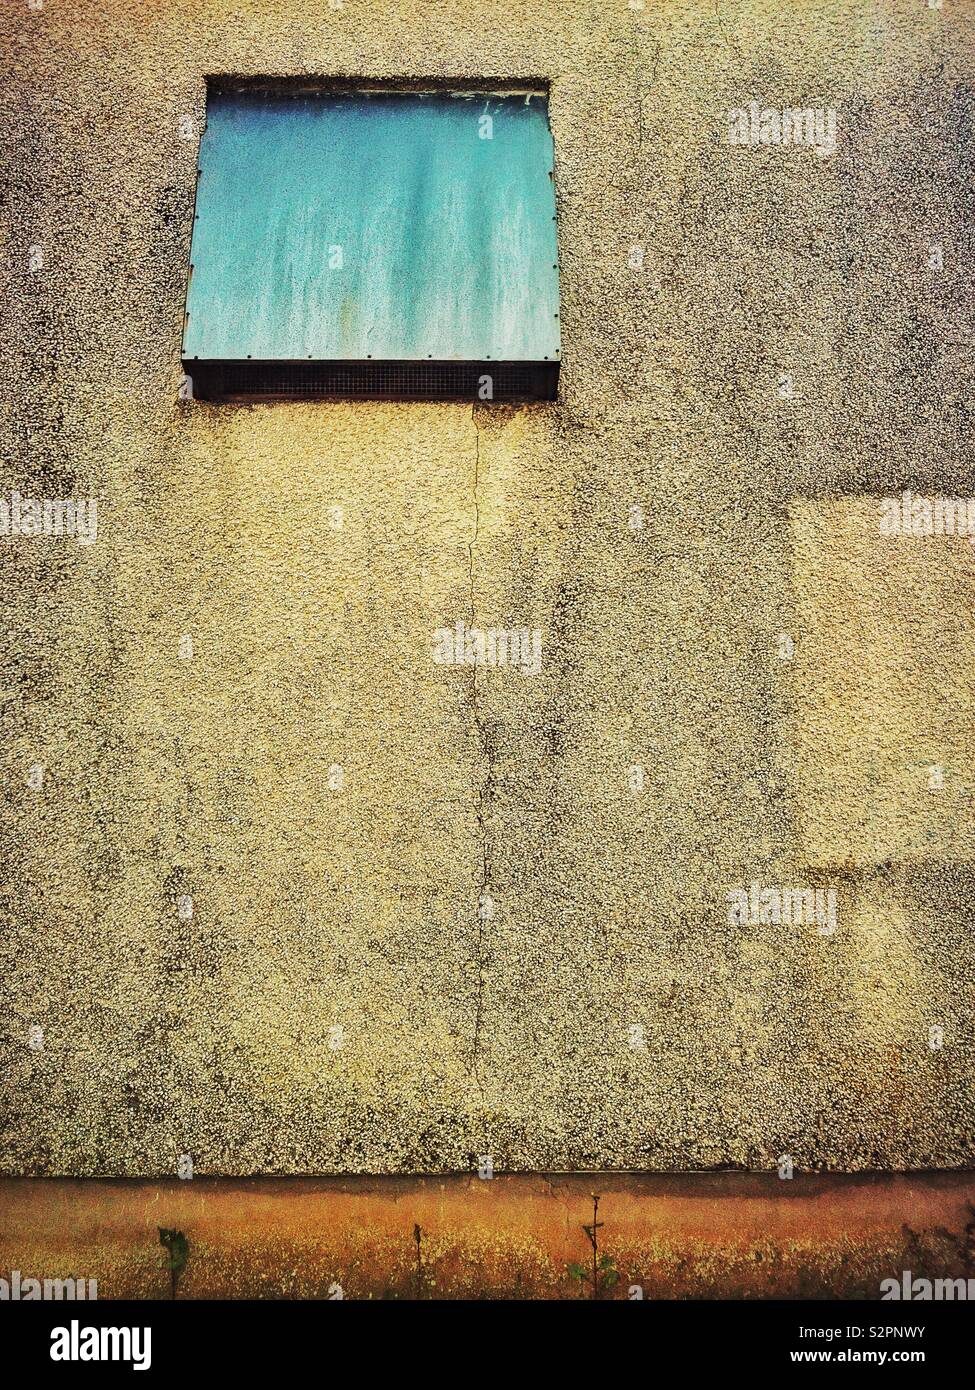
[(356, 907)]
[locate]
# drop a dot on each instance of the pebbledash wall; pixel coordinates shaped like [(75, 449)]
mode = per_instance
[(307, 900)]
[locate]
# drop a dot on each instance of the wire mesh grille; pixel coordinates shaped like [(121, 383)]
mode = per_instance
[(474, 381)]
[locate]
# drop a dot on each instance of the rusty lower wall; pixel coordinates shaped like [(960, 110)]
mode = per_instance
[(672, 1236)]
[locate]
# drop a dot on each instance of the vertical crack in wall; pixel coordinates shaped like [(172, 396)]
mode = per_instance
[(643, 90), (484, 791)]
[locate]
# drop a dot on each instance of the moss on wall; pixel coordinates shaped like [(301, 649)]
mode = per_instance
[(696, 277)]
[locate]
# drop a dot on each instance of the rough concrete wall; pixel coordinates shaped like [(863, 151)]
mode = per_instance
[(318, 907)]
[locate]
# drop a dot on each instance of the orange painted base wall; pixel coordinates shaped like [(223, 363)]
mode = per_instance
[(715, 1235)]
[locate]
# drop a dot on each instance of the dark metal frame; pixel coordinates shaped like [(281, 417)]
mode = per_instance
[(357, 380)]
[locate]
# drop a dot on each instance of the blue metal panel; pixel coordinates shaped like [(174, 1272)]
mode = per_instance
[(382, 225)]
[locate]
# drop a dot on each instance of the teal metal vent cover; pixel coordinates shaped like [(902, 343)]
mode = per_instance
[(380, 244)]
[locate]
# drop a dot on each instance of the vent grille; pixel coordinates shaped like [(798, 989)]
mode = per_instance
[(374, 381)]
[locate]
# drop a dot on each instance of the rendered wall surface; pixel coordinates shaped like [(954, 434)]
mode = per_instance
[(696, 277)]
